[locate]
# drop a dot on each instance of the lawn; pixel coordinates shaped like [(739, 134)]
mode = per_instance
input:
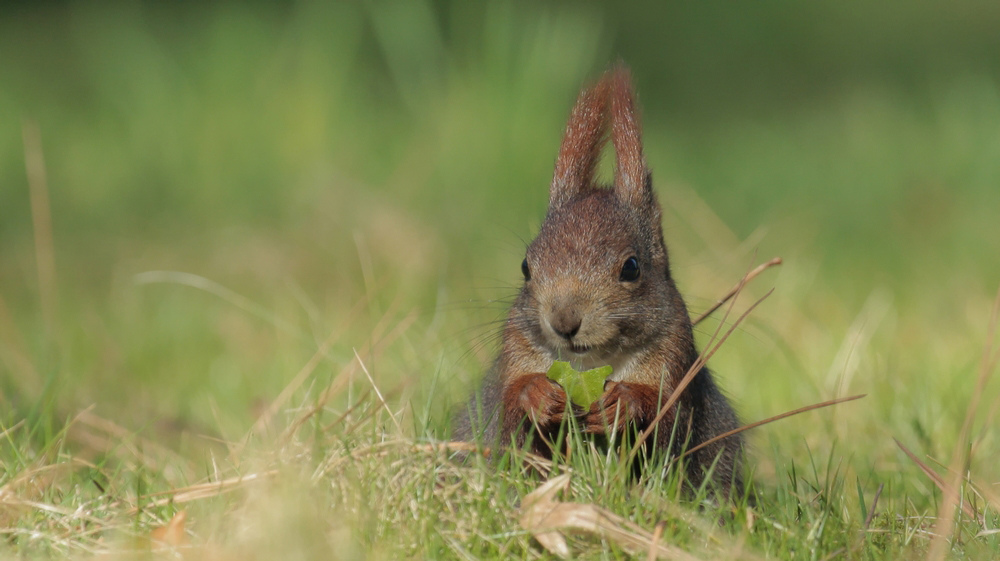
[(252, 257)]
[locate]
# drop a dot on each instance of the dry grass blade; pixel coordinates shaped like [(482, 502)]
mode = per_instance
[(41, 220), (863, 533), (452, 446), (264, 421), (939, 482), (203, 490), (30, 485), (946, 515), (11, 429), (836, 553), (688, 377), (736, 288), (226, 294), (346, 373), (549, 520), (657, 534), (871, 511), (756, 424), (333, 389), (713, 345), (989, 495), (378, 392), (29, 488), (105, 436)]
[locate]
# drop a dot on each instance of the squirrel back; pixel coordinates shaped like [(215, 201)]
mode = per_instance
[(598, 291)]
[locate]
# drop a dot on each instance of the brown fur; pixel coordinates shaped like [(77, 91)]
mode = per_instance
[(577, 306)]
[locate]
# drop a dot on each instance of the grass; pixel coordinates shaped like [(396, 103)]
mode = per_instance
[(281, 240)]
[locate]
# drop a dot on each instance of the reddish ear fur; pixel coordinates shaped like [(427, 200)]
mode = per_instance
[(581, 146), (631, 174), (586, 133)]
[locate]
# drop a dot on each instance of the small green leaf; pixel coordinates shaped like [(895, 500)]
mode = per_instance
[(583, 388)]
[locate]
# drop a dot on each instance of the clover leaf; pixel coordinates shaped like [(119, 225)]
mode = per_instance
[(583, 388)]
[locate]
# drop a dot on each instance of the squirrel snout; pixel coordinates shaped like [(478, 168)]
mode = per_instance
[(565, 322)]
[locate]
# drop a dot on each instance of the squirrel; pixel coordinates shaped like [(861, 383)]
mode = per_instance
[(598, 291)]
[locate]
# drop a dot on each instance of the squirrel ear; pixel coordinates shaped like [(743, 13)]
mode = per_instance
[(586, 133), (632, 178)]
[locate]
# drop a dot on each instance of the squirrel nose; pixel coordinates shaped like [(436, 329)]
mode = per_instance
[(566, 323)]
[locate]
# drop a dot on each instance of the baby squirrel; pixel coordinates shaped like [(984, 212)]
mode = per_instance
[(597, 291)]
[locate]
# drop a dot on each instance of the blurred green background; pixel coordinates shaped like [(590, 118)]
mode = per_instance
[(311, 156)]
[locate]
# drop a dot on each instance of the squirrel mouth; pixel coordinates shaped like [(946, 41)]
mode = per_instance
[(579, 349)]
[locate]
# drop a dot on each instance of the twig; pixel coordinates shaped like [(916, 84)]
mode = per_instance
[(859, 541), (871, 511), (939, 482), (756, 424), (732, 292), (688, 377)]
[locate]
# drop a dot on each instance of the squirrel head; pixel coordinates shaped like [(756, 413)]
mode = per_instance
[(597, 284)]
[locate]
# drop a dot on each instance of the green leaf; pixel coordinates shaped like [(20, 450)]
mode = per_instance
[(583, 388)]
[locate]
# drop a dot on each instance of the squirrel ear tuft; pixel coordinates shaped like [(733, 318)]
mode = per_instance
[(632, 183), (610, 101), (585, 136)]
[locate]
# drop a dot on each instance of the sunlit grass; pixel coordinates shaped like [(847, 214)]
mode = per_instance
[(229, 196)]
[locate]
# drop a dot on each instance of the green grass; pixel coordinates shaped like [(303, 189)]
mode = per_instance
[(368, 173)]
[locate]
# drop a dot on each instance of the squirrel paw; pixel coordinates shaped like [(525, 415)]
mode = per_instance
[(621, 404), (541, 399)]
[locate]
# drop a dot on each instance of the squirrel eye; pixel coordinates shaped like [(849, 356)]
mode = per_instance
[(525, 270), (630, 270)]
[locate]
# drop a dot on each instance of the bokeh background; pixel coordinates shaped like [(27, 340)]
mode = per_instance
[(228, 184)]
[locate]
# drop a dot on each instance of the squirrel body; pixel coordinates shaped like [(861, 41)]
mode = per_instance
[(598, 291)]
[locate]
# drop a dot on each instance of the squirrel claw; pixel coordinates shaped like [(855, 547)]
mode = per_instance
[(610, 412), (543, 400), (621, 403)]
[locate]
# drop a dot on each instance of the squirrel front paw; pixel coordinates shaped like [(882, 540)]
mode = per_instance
[(621, 403), (541, 399)]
